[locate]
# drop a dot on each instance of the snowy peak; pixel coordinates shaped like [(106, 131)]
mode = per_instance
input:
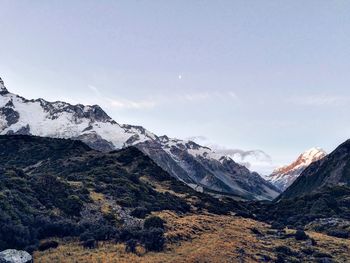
[(312, 155), (284, 176), (198, 166), (304, 160), (331, 171)]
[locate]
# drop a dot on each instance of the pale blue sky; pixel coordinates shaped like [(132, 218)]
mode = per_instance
[(270, 75)]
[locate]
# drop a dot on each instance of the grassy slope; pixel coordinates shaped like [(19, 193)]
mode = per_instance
[(48, 188), (209, 238)]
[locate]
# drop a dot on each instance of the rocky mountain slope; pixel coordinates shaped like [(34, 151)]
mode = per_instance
[(318, 199), (332, 170), (63, 188), (284, 176), (199, 167)]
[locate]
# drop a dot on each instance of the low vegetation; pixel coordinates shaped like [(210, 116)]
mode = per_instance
[(211, 238), (52, 188), (68, 203), (326, 211)]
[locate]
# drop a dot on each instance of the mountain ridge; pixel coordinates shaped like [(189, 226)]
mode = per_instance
[(199, 167), (284, 176), (330, 171)]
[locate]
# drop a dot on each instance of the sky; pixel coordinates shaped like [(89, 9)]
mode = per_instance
[(268, 75)]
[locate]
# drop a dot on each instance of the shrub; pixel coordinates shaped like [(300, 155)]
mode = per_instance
[(285, 251), (308, 251), (277, 225), (322, 255), (86, 236), (153, 239), (301, 235), (139, 212), (255, 231), (130, 246), (73, 205), (313, 242), (281, 258), (104, 232), (153, 222), (338, 233), (47, 245), (90, 244), (127, 234)]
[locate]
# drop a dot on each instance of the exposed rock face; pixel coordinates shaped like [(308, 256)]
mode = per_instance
[(3, 89), (284, 176), (15, 256), (332, 170), (198, 166)]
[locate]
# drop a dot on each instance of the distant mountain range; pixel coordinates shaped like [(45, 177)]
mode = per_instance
[(199, 167), (284, 176)]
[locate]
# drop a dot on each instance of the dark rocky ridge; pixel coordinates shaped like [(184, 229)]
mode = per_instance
[(332, 170)]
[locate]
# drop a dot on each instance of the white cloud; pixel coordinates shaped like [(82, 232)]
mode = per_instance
[(254, 160)]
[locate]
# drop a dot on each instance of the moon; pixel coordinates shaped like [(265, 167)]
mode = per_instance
[(180, 77)]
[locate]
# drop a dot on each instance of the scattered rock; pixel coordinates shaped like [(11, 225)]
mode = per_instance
[(15, 256)]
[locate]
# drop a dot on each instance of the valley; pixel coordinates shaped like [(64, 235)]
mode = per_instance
[(75, 186)]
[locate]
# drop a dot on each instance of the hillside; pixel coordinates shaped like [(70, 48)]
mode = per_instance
[(120, 206), (63, 188), (318, 199), (213, 238), (332, 170), (199, 167)]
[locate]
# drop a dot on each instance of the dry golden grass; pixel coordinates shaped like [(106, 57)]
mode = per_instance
[(161, 187), (201, 238), (99, 199)]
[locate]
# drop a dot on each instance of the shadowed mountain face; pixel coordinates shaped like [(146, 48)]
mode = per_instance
[(318, 199), (199, 167), (57, 188), (332, 170)]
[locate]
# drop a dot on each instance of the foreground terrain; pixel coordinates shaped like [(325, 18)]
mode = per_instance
[(213, 238), (62, 201)]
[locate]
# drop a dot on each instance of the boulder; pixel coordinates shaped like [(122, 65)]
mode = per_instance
[(15, 256)]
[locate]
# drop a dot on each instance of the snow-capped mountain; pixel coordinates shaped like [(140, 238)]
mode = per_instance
[(198, 166), (284, 176)]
